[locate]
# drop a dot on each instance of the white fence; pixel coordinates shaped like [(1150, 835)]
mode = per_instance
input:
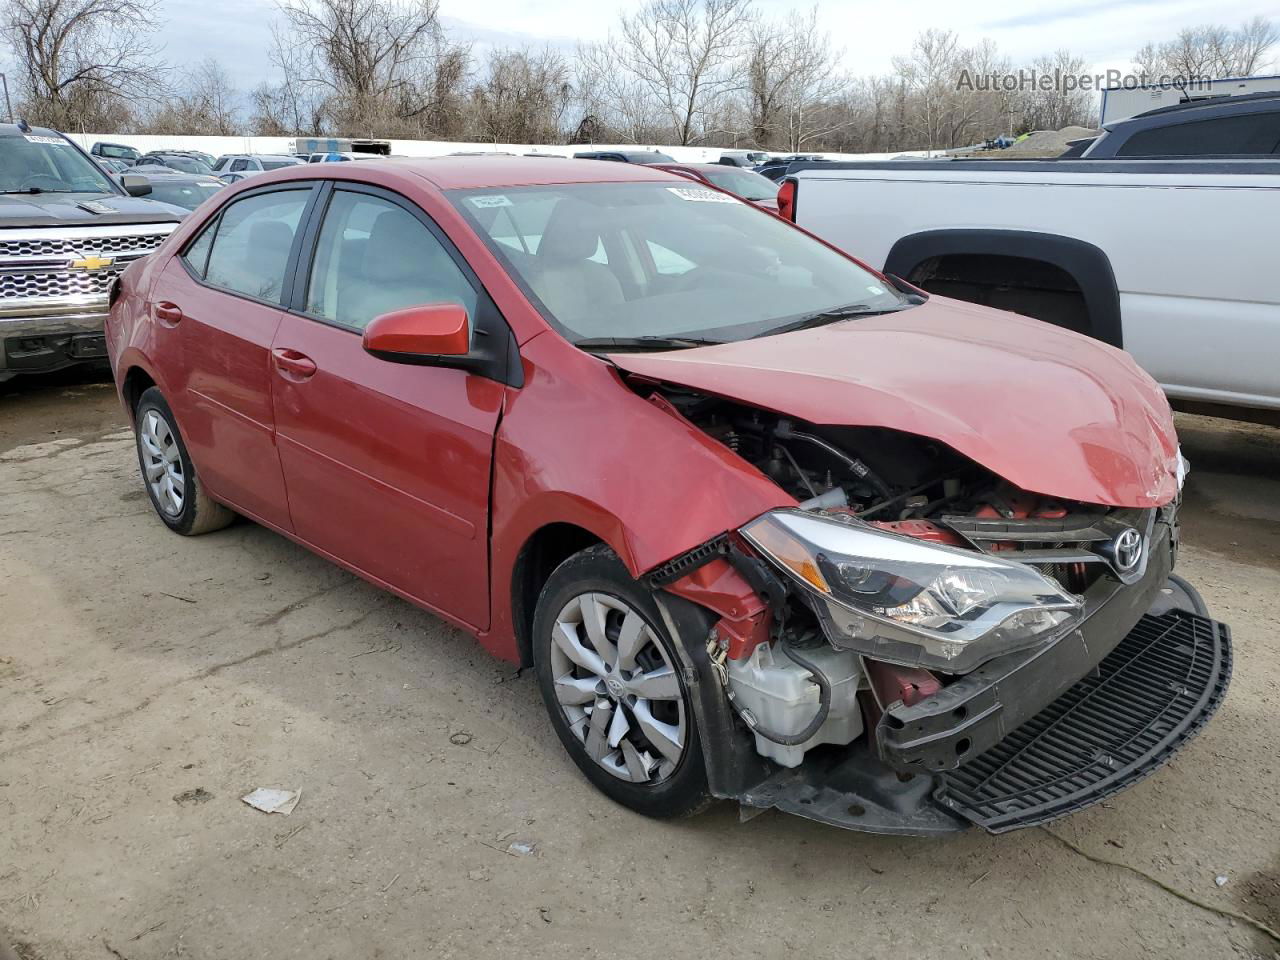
[(423, 148)]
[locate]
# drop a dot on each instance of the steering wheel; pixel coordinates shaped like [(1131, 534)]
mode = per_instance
[(41, 181)]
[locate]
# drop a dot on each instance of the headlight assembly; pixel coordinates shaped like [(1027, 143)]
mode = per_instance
[(904, 600)]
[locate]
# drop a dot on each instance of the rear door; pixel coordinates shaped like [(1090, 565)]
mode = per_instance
[(387, 465), (216, 308)]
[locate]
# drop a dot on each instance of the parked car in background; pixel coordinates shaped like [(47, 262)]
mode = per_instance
[(115, 151), (181, 161), (1230, 127), (743, 158), (776, 168), (67, 230), (306, 146), (337, 157), (1102, 247), (625, 156), (746, 184), (232, 177), (185, 190), (113, 167), (253, 162), (866, 555)]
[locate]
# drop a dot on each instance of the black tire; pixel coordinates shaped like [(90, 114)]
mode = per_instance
[(198, 513), (682, 792)]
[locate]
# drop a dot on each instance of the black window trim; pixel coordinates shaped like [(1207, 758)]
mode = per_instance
[(494, 353), (215, 223)]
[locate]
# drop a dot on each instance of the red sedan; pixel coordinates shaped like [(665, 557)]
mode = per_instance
[(746, 184), (767, 524)]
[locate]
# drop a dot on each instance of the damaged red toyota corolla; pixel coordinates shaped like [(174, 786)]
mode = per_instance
[(768, 525)]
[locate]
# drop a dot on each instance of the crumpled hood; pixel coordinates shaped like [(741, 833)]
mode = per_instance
[(1048, 410)]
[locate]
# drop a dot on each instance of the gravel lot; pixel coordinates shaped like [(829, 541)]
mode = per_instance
[(148, 681)]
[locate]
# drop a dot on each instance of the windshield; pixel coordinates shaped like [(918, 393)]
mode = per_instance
[(117, 152), (629, 260), (189, 194), (186, 164), (743, 183), (37, 163)]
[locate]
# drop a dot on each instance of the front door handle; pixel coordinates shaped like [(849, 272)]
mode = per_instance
[(168, 313), (293, 365)]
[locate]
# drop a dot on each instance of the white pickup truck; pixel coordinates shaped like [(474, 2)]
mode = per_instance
[(1176, 261)]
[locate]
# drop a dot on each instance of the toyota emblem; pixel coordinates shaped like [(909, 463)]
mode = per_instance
[(1127, 550)]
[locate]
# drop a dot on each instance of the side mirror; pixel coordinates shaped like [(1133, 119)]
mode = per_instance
[(422, 335), (134, 185)]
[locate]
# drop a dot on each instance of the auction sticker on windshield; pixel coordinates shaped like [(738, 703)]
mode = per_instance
[(701, 196), (490, 200), (36, 138)]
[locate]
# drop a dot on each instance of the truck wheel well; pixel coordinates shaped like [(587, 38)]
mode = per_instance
[(1060, 280), (136, 382), (549, 547), (1022, 285)]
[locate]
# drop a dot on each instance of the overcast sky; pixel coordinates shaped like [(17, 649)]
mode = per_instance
[(1104, 32)]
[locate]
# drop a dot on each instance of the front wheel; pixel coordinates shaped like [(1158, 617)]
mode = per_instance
[(611, 681)]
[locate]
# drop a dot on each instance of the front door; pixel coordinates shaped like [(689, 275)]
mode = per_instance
[(216, 308), (387, 465)]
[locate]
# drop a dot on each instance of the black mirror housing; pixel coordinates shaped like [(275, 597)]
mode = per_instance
[(134, 185)]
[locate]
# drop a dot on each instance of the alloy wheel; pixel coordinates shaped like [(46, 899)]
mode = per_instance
[(618, 689), (162, 463)]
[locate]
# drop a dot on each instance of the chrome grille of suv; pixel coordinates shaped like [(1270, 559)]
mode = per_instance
[(36, 264), (63, 283), (79, 246)]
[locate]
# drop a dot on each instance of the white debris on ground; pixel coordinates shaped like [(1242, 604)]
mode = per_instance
[(273, 800)]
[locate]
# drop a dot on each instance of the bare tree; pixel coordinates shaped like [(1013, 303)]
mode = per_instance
[(204, 104), (376, 66), (930, 72), (82, 62), (794, 83), (684, 52), (612, 104), (1211, 50), (522, 97), (1059, 107)]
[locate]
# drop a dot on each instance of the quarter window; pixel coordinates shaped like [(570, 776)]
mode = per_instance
[(252, 243), (197, 255), (374, 256)]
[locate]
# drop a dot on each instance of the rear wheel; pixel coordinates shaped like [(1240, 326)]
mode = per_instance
[(172, 485), (610, 678)]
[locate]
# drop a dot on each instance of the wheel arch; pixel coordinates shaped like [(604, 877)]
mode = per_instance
[(1086, 264), (542, 551), (136, 381)]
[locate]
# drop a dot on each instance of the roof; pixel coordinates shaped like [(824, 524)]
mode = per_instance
[(13, 130), (465, 173), (1205, 104), (170, 175)]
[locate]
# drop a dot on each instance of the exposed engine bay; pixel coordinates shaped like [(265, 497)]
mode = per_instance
[(825, 675), (905, 484)]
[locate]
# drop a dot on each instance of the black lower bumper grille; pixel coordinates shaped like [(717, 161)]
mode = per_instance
[(1147, 698)]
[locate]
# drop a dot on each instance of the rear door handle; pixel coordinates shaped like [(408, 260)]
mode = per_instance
[(167, 312), (293, 365)]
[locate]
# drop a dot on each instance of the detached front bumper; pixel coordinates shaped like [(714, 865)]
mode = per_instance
[(1031, 736)]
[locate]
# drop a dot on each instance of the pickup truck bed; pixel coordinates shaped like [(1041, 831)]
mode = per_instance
[(1175, 261)]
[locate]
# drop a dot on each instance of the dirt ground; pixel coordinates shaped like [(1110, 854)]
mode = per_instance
[(148, 681)]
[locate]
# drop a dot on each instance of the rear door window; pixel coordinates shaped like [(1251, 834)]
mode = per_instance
[(251, 246)]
